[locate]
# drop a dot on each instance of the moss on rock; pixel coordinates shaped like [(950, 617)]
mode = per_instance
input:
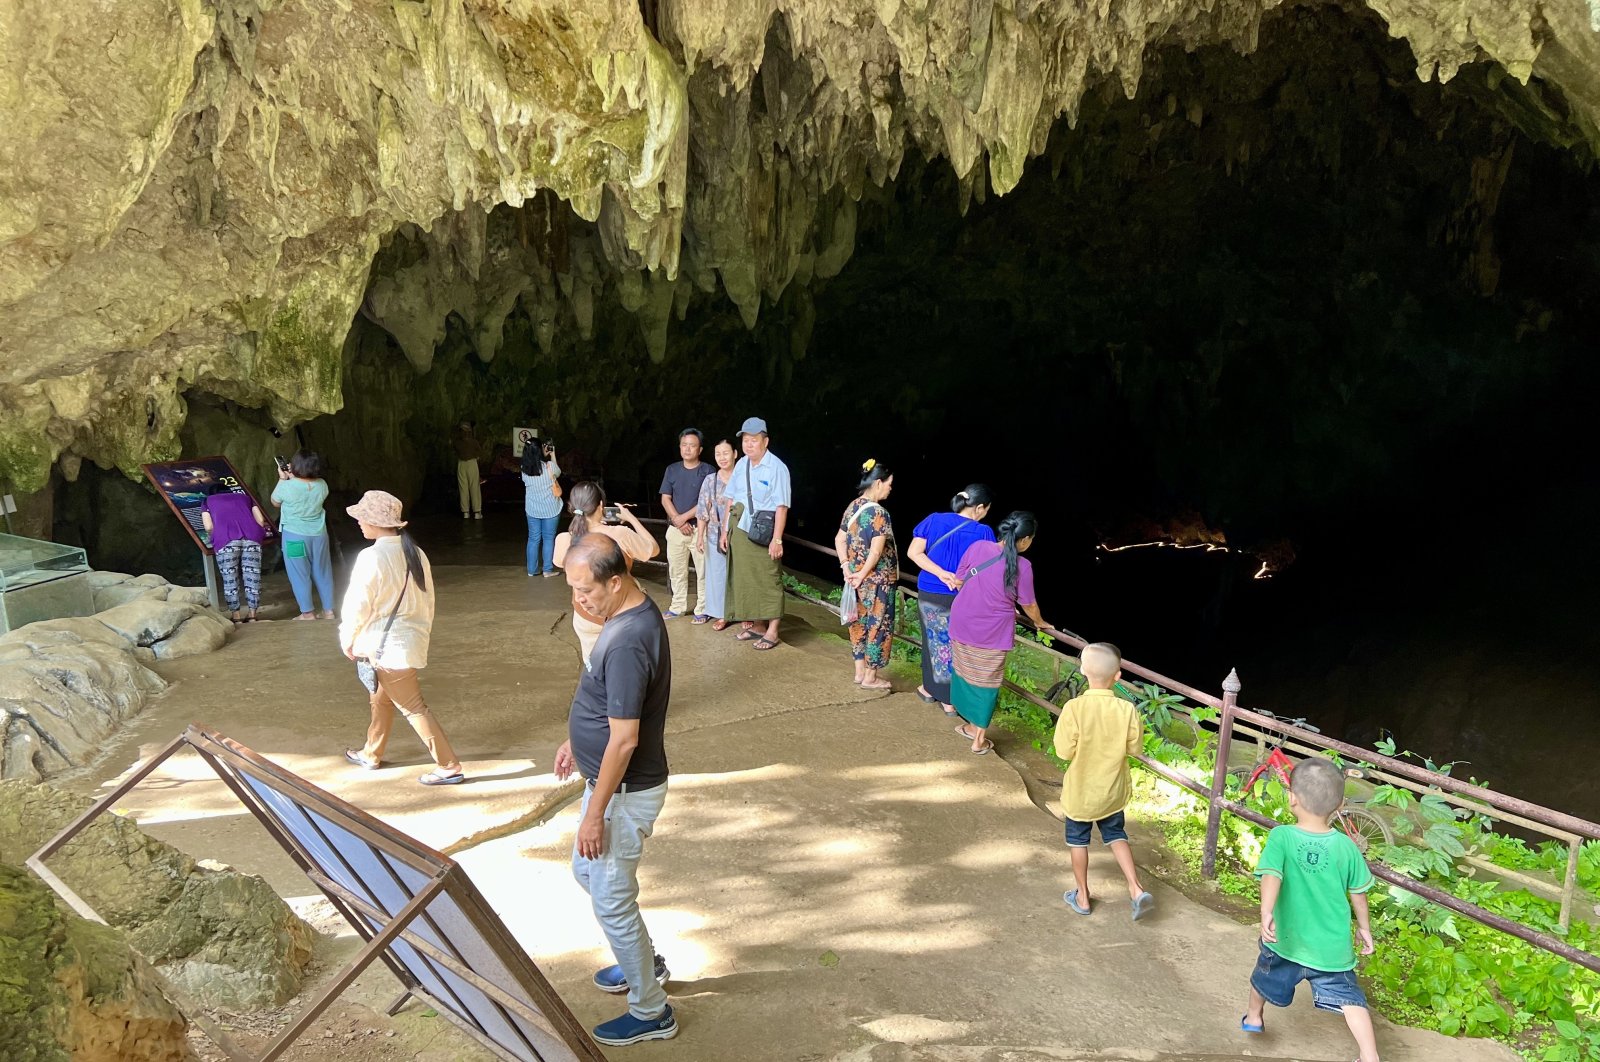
[(71, 989)]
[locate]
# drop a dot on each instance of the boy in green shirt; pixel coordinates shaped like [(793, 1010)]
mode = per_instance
[(1098, 732), (1311, 876)]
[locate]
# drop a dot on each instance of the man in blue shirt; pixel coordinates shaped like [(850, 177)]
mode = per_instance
[(759, 485)]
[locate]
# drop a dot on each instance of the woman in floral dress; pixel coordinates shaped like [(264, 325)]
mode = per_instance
[(871, 564)]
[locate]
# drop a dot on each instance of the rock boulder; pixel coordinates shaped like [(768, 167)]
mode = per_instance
[(223, 935), (72, 989)]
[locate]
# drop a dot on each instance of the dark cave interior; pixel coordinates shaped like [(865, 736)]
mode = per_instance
[(1296, 298)]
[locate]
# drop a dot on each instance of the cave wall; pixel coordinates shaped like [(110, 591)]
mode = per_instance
[(238, 166)]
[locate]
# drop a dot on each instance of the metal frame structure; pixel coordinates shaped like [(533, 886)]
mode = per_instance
[(403, 919)]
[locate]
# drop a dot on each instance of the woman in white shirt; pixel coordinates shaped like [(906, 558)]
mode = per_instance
[(386, 620)]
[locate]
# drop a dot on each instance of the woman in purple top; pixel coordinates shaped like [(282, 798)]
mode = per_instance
[(237, 530), (937, 546), (995, 579)]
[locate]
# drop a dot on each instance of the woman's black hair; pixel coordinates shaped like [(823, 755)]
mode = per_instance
[(872, 472), (587, 500), (413, 558), (1013, 529), (973, 494), (533, 458), (214, 488), (306, 464)]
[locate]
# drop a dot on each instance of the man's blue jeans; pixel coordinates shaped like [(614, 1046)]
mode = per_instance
[(541, 543), (612, 882)]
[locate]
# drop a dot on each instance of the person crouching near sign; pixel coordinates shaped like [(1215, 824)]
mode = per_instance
[(616, 741), (386, 622)]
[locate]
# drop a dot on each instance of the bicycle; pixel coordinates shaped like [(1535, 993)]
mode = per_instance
[(1363, 827)]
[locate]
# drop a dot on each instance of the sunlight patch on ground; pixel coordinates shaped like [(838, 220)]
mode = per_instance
[(915, 1029)]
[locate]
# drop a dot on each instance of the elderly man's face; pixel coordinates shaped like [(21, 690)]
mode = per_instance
[(753, 443), (597, 598)]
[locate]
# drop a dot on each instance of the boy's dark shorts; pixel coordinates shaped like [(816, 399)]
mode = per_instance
[(1112, 828), (1276, 977)]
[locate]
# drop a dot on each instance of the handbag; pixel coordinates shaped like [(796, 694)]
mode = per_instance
[(366, 670), (763, 522)]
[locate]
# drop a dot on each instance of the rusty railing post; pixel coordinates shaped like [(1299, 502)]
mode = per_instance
[(1219, 773)]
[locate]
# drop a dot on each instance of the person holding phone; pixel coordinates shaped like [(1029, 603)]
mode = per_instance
[(542, 505), (299, 495), (591, 515)]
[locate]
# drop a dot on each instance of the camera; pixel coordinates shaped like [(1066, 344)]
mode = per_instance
[(612, 514)]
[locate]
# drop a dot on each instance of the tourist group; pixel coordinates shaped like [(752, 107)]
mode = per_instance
[(726, 522)]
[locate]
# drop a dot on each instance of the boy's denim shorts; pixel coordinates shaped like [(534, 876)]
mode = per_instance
[(1276, 977), (1112, 828)]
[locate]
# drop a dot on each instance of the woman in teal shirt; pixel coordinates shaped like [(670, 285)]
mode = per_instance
[(299, 496)]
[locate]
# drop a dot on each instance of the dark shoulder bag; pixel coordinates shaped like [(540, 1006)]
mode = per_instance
[(762, 523), (976, 568), (367, 668)]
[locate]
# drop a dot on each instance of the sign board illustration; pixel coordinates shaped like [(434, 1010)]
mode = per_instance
[(185, 484)]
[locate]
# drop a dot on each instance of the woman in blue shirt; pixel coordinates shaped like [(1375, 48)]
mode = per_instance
[(936, 547), (543, 505), (299, 496)]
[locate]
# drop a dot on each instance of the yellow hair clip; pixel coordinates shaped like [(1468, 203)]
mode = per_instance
[(869, 465)]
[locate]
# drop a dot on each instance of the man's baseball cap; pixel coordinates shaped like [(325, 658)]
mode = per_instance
[(753, 426)]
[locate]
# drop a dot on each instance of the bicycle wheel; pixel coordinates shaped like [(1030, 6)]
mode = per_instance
[(1364, 828)]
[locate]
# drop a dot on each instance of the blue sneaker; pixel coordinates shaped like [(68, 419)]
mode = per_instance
[(620, 1032), (610, 979)]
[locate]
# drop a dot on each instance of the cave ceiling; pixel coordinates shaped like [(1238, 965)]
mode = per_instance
[(204, 194)]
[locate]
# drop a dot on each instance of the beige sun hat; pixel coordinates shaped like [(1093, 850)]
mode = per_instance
[(378, 508)]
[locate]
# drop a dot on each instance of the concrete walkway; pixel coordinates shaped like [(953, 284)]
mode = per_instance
[(834, 876)]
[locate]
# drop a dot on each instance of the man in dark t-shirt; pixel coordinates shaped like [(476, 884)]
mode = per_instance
[(680, 497), (616, 741)]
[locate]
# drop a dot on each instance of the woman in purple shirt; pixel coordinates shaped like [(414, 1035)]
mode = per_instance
[(995, 579), (237, 530)]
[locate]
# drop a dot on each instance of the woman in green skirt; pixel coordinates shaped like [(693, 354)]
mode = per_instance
[(995, 580)]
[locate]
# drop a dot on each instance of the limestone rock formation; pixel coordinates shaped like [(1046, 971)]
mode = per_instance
[(224, 936), (66, 684), (237, 165), (72, 989)]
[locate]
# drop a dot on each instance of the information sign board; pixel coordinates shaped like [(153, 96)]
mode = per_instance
[(185, 484)]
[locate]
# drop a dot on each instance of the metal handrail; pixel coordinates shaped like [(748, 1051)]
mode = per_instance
[(1567, 827)]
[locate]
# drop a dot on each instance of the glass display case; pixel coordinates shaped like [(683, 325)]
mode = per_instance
[(41, 580)]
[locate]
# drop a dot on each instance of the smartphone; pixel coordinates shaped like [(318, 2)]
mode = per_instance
[(281, 461), (612, 514)]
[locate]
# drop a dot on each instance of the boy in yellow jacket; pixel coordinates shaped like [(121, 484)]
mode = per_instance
[(1097, 732)]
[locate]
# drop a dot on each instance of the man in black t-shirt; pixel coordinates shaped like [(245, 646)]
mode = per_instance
[(615, 740), (680, 497)]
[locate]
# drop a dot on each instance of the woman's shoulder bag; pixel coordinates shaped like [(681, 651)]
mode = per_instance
[(367, 668)]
